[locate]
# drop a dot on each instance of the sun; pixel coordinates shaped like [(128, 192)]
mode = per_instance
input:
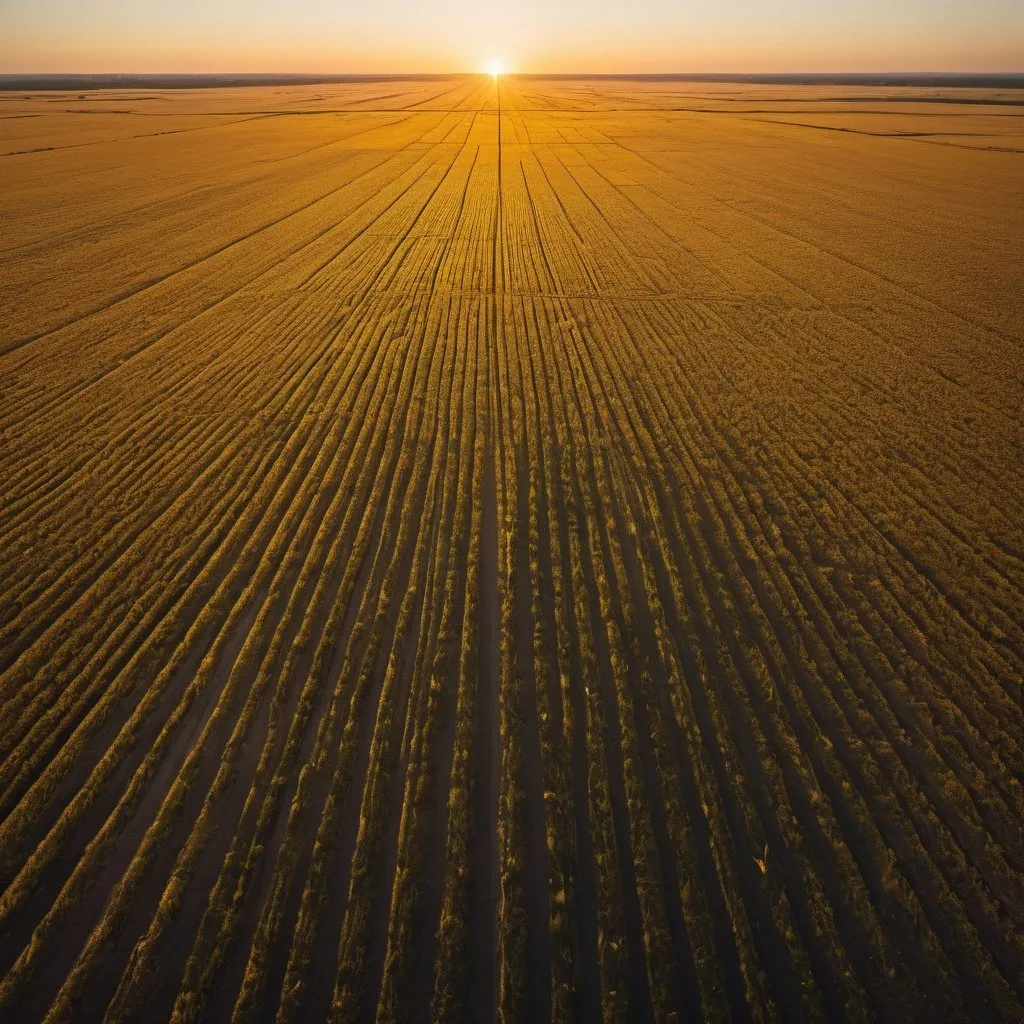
[(494, 68)]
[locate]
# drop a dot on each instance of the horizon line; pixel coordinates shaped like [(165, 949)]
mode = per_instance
[(1010, 72)]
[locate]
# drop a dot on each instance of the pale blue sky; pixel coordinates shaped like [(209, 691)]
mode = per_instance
[(528, 35)]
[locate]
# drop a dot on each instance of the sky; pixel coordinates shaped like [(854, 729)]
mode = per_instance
[(608, 36)]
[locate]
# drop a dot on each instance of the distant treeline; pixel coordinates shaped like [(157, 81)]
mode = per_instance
[(61, 83), (1010, 80)]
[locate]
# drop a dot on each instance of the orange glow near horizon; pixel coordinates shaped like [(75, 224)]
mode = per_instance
[(533, 36)]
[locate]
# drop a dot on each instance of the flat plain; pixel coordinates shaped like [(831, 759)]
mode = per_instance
[(512, 549)]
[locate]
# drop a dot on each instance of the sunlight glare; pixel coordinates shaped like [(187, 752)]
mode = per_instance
[(494, 68)]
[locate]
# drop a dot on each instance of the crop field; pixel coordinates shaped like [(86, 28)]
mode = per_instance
[(512, 549)]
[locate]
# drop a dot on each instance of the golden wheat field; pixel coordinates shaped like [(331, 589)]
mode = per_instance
[(512, 549)]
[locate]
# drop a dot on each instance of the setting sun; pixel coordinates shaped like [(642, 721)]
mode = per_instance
[(494, 68)]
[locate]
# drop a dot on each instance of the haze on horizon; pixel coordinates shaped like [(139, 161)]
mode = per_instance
[(602, 36)]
